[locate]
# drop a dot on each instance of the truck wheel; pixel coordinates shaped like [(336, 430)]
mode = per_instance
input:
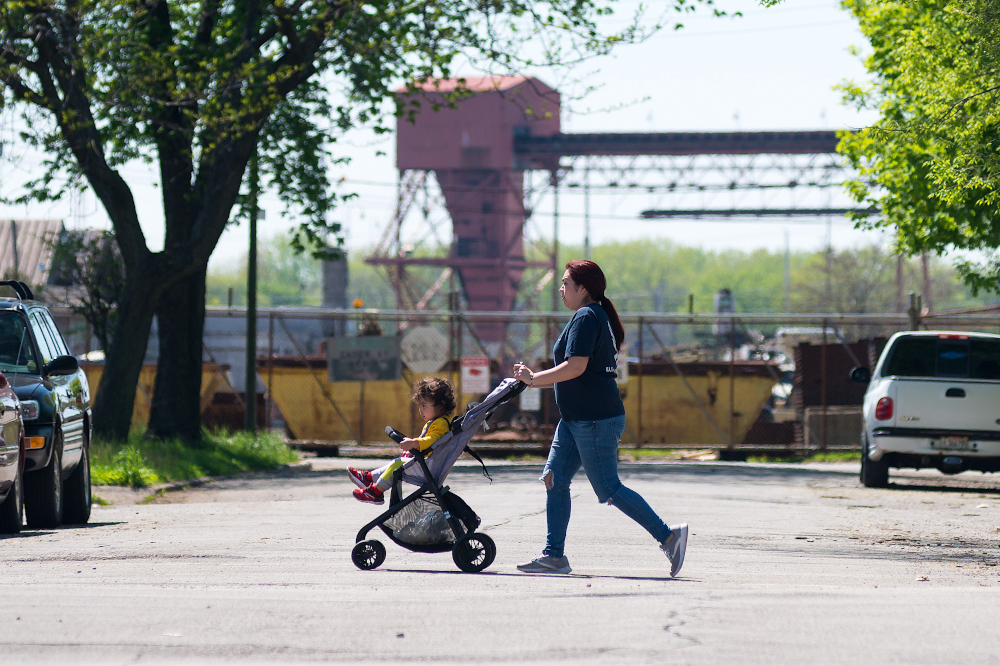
[(12, 509), (873, 474), (77, 491), (43, 490)]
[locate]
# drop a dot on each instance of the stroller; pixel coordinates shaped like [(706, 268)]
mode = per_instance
[(433, 519)]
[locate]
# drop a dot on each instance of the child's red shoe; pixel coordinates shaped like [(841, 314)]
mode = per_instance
[(361, 478), (370, 495)]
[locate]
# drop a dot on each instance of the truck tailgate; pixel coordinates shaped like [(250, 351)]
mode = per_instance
[(948, 404)]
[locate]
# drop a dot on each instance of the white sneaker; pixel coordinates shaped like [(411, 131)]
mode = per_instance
[(546, 564), (675, 546)]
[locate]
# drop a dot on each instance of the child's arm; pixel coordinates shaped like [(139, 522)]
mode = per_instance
[(408, 444), (435, 431)]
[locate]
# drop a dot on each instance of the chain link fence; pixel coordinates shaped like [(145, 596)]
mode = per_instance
[(739, 384)]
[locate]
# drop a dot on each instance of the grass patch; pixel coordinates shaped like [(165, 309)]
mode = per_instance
[(152, 499), (825, 456), (141, 462), (525, 458), (642, 453)]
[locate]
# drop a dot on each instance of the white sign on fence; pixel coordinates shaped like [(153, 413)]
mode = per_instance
[(475, 374), (531, 400), (424, 349)]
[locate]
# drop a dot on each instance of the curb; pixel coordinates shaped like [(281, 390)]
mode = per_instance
[(284, 470)]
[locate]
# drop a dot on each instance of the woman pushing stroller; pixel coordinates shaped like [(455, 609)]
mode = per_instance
[(592, 420), (435, 400)]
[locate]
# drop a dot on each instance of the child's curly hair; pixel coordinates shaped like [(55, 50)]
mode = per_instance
[(437, 390)]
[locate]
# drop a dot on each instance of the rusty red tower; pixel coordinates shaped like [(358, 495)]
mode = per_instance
[(470, 149)]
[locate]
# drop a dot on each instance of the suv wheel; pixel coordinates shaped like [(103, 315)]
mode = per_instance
[(77, 490), (43, 490), (873, 474), (12, 509)]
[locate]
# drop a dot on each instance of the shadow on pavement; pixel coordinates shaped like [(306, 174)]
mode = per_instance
[(948, 485), (530, 575), (27, 533), (83, 526)]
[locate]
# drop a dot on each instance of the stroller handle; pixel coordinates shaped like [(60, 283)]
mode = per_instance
[(394, 434)]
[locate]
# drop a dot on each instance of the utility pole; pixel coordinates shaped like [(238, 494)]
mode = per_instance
[(586, 211), (788, 276), (556, 273), (925, 264), (829, 259), (250, 404), (899, 284)]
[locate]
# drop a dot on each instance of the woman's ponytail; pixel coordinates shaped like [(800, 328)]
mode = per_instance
[(589, 275), (616, 322)]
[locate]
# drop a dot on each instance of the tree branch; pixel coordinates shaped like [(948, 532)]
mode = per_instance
[(76, 122), (209, 15)]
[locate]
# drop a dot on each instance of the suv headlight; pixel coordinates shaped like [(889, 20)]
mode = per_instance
[(29, 410)]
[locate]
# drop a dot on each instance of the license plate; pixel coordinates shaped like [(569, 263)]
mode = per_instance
[(954, 443)]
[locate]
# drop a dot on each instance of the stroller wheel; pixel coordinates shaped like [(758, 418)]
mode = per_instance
[(474, 552), (368, 554)]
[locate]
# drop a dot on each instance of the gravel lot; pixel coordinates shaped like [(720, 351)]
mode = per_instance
[(786, 564)]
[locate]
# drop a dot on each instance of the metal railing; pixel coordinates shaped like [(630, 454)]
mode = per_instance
[(734, 382)]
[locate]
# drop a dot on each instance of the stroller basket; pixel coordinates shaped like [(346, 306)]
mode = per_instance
[(423, 526), (420, 523)]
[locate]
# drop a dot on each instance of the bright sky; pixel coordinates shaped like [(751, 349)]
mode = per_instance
[(771, 69)]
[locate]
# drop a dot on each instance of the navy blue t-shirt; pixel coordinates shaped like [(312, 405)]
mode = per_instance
[(594, 395)]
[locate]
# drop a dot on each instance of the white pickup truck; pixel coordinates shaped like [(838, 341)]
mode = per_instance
[(933, 400)]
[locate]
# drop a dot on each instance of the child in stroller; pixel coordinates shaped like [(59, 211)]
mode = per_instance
[(433, 519), (435, 400)]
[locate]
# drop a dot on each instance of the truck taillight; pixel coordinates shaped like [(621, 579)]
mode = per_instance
[(883, 410)]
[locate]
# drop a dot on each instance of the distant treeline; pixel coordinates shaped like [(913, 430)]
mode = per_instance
[(646, 276)]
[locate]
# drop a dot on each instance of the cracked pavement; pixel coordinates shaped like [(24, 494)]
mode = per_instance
[(785, 563)]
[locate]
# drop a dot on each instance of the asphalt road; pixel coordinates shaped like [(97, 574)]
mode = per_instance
[(786, 564)]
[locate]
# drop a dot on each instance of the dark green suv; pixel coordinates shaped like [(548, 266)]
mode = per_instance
[(55, 405)]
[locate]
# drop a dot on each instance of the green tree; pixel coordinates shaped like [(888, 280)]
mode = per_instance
[(930, 165), (199, 87), (285, 277), (288, 277), (658, 276), (90, 264)]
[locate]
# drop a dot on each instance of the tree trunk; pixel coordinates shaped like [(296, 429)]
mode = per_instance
[(180, 316), (115, 397)]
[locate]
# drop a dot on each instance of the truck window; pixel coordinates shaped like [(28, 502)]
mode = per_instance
[(966, 358), (985, 359)]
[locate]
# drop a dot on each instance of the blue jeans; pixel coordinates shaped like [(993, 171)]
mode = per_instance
[(594, 445)]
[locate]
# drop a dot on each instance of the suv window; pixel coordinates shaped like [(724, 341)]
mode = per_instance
[(45, 345), (55, 337), (16, 351), (944, 356)]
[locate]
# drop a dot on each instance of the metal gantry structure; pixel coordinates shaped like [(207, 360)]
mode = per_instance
[(473, 177)]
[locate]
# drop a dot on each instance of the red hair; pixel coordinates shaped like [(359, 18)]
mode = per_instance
[(589, 275)]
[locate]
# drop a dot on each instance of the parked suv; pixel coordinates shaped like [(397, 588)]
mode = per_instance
[(932, 401), (55, 405)]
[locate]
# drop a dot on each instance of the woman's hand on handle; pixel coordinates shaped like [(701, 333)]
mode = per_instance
[(569, 369), (523, 373)]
